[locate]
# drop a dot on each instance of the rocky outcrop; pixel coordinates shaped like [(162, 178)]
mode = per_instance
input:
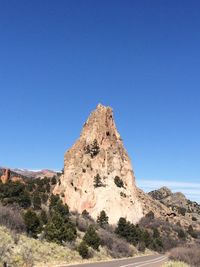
[(97, 172), (7, 175), (178, 204)]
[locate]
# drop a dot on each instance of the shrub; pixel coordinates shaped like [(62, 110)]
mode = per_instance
[(189, 255), (192, 232), (194, 219), (83, 250), (150, 215), (91, 238), (102, 219), (181, 234), (141, 246), (117, 247), (118, 181), (82, 224), (12, 219), (181, 211)]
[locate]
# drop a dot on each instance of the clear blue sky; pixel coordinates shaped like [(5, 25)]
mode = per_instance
[(59, 59)]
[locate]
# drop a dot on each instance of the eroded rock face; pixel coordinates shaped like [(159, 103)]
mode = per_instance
[(97, 172)]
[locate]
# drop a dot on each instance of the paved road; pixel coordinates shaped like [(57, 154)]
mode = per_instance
[(146, 261)]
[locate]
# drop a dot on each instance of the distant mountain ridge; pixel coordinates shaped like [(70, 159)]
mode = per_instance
[(7, 173)]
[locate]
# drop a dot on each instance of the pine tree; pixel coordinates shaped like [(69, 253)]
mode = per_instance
[(83, 250), (97, 181), (102, 219), (32, 223), (91, 238)]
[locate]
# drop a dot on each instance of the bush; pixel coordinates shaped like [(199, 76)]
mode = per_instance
[(82, 224), (91, 238), (181, 211), (118, 181), (189, 255), (117, 247), (102, 219), (83, 250), (192, 232), (141, 246), (12, 219), (150, 215), (181, 234)]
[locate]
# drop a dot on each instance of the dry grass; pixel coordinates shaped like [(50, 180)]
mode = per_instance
[(24, 251), (175, 264)]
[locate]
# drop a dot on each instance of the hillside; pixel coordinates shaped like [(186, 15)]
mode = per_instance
[(179, 204)]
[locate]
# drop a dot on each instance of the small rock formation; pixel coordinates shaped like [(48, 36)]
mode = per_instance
[(7, 175), (97, 172)]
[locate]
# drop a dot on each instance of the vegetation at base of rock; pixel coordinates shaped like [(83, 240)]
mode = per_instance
[(102, 219), (118, 181), (44, 217), (139, 236)]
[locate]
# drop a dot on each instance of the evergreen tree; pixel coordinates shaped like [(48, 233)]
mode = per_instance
[(97, 181), (32, 223), (102, 219), (43, 217), (122, 228), (156, 233), (83, 250), (91, 238), (37, 201), (57, 230)]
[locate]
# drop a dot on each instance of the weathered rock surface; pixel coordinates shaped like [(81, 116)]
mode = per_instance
[(97, 172)]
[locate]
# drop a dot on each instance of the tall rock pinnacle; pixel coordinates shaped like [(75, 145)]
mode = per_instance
[(97, 172)]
